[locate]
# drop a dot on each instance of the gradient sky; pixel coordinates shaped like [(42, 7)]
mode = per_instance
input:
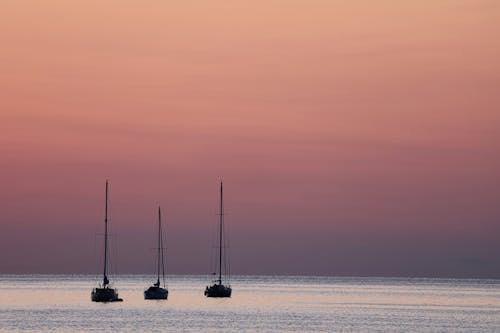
[(354, 137)]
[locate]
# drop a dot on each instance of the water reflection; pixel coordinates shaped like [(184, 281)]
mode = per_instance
[(258, 304)]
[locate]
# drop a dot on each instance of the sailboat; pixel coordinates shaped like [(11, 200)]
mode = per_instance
[(104, 293), (155, 291), (218, 289)]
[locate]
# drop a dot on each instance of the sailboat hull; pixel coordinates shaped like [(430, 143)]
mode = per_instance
[(105, 295), (156, 293), (218, 290)]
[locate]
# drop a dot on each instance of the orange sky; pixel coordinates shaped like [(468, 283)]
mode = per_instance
[(334, 123)]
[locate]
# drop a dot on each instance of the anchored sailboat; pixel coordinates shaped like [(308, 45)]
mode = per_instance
[(218, 289), (103, 293), (155, 291)]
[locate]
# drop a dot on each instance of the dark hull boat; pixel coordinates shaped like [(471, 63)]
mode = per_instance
[(156, 291), (104, 293), (218, 289)]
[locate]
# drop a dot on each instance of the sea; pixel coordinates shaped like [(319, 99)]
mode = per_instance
[(61, 303)]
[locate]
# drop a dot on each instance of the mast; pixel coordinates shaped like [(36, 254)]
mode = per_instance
[(159, 245), (221, 214), (162, 255), (105, 278)]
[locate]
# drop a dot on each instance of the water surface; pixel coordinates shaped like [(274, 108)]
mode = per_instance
[(61, 303)]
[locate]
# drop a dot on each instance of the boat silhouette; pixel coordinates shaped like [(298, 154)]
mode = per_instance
[(217, 289), (156, 291), (104, 293)]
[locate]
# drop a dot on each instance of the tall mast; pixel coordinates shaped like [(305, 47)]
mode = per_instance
[(159, 244), (162, 256), (105, 278), (221, 214)]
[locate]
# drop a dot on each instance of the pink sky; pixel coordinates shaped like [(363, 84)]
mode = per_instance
[(354, 137)]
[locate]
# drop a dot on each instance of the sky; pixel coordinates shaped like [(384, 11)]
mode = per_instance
[(354, 138)]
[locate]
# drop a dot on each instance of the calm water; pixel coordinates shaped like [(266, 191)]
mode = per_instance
[(259, 304)]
